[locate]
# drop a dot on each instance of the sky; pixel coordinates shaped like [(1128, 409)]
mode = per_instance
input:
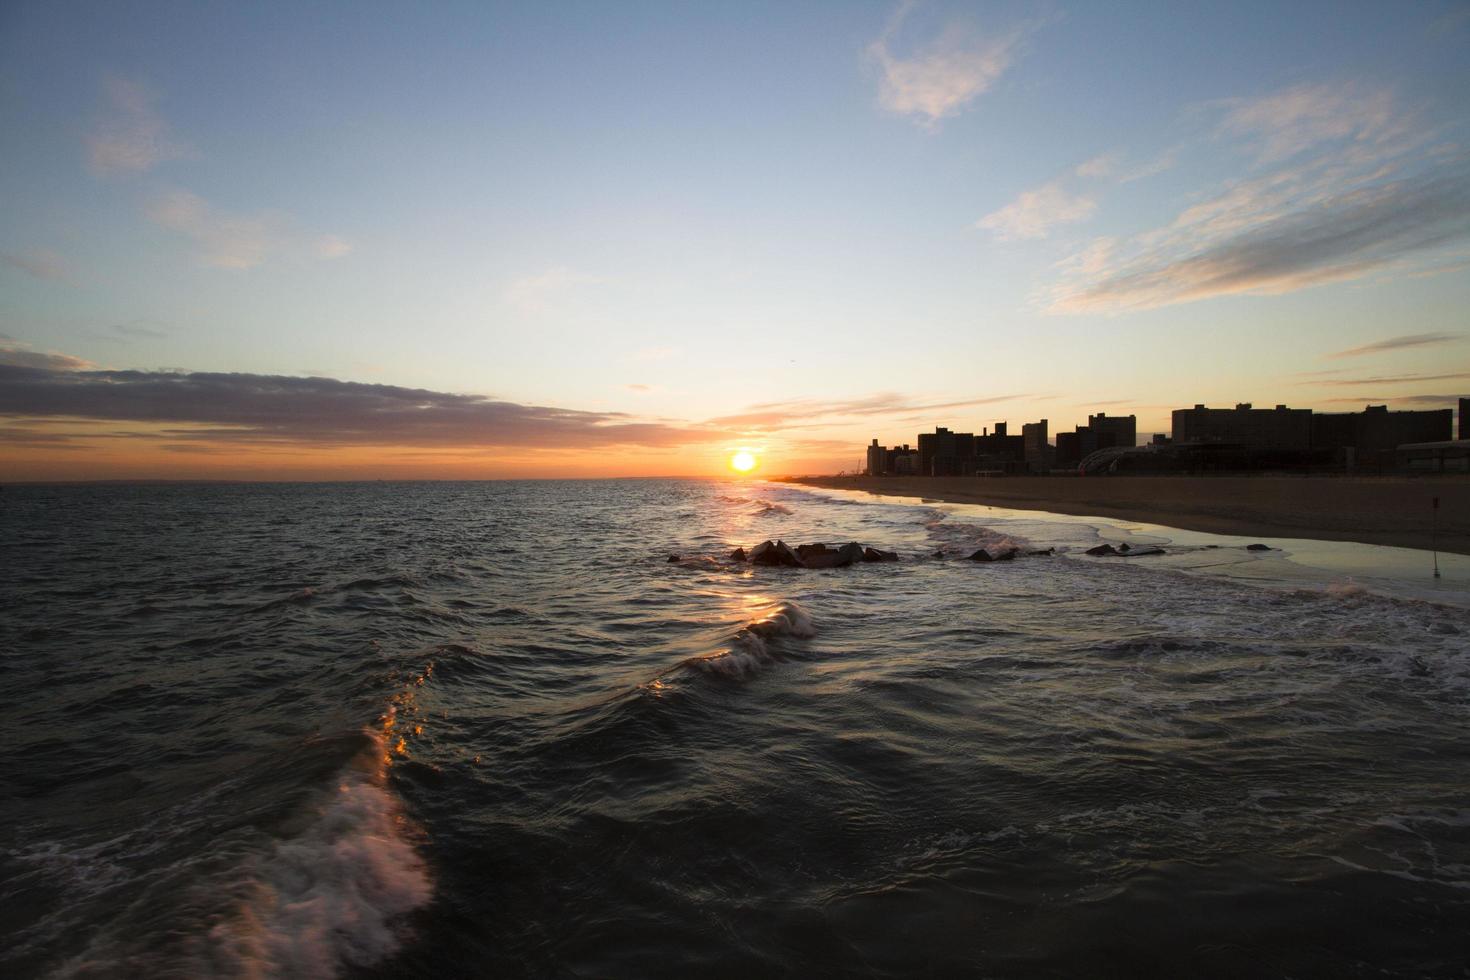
[(367, 241)]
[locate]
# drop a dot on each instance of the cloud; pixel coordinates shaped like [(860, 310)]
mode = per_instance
[(1276, 236), (1036, 212), (1399, 343), (237, 241), (42, 263), (331, 247), (18, 355), (1441, 400), (774, 416), (323, 412), (1286, 123), (132, 138), (1098, 166), (1388, 379), (537, 294), (942, 78)]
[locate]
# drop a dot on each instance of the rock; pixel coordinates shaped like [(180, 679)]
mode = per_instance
[(1258, 547), (777, 553), (939, 554), (805, 551), (1124, 548), (1140, 552), (850, 552), (983, 555), (1102, 549), (673, 558), (873, 554), (738, 554)]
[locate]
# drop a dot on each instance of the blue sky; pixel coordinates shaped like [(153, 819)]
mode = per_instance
[(783, 226)]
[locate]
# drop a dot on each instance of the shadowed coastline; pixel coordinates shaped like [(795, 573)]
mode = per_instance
[(1373, 510)]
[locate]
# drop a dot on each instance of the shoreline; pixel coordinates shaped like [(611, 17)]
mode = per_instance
[(1393, 511)]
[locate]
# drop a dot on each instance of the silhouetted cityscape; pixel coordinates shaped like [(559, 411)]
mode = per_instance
[(1242, 438)]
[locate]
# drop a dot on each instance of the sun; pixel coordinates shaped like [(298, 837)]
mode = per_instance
[(742, 462)]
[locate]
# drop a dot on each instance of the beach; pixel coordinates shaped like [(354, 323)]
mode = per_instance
[(1395, 511)]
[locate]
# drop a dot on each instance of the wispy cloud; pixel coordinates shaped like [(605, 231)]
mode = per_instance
[(273, 409), (939, 79), (42, 263), (775, 416), (1388, 379), (132, 137), (1034, 213), (539, 293), (17, 355), (1099, 166), (1284, 124), (1343, 183), (1399, 343), (225, 240)]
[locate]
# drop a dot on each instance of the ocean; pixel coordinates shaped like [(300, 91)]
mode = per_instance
[(490, 729)]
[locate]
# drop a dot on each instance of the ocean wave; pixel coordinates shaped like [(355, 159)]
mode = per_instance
[(752, 646), (767, 507), (332, 895), (958, 535)]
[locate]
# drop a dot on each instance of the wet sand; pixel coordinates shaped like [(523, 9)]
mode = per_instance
[(1373, 510)]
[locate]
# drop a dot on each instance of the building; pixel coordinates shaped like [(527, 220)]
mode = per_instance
[(1113, 431), (1278, 428), (877, 459), (1376, 430), (1464, 410), (1036, 449)]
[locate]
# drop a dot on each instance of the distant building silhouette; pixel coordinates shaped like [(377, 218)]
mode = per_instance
[(1253, 428)]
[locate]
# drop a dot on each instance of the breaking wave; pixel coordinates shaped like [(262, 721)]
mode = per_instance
[(754, 645), (330, 896), (959, 536)]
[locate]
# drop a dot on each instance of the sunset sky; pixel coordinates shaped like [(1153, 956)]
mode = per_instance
[(462, 240)]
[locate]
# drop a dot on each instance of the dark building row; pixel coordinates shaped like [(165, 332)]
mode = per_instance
[(1347, 436), (1243, 437)]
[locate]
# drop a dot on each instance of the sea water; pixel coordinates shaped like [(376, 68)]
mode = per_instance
[(490, 729)]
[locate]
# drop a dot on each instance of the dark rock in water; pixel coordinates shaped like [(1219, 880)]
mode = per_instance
[(1043, 551), (939, 554), (1258, 547), (1140, 552), (673, 558), (873, 554), (774, 553), (850, 552), (1103, 549), (1212, 546), (983, 555), (738, 554), (1124, 548), (805, 551)]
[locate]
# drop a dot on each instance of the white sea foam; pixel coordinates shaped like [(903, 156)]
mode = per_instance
[(333, 894), (750, 649), (768, 507)]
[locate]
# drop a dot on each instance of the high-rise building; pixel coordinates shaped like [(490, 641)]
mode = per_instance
[(1114, 430), (1036, 449), (1377, 430), (1252, 428), (1464, 410), (877, 458)]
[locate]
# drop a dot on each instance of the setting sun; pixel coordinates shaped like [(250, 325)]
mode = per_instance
[(742, 462)]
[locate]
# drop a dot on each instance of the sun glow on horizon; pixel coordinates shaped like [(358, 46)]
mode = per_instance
[(743, 461)]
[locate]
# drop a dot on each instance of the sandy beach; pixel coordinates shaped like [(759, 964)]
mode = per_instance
[(1374, 510)]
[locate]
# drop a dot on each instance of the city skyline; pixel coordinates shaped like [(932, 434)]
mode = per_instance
[(421, 247)]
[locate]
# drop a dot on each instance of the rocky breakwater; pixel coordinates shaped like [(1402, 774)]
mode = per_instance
[(779, 553)]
